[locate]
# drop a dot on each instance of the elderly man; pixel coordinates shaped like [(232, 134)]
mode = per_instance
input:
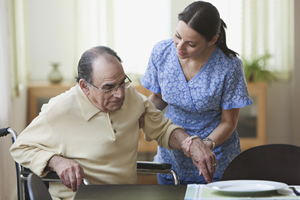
[(92, 130)]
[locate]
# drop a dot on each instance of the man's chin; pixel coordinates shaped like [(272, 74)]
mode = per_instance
[(115, 106)]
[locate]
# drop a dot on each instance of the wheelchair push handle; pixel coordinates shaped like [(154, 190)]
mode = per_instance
[(4, 131)]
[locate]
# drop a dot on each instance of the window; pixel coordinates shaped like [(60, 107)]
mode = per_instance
[(255, 27), (132, 27), (129, 27), (138, 28)]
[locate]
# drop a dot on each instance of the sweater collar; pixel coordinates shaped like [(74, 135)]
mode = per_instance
[(88, 109)]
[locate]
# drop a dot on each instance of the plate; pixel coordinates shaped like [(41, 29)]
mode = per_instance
[(246, 186)]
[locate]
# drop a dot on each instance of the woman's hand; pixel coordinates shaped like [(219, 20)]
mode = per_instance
[(142, 120), (204, 159), (206, 162)]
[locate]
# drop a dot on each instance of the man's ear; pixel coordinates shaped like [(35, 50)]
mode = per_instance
[(84, 87), (213, 40)]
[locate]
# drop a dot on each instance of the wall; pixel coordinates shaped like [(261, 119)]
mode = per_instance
[(51, 37), (8, 188), (279, 118), (296, 77)]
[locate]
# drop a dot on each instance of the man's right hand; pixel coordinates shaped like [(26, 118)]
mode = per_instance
[(69, 171)]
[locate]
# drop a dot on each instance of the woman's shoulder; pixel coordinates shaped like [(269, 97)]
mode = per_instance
[(228, 61), (164, 46)]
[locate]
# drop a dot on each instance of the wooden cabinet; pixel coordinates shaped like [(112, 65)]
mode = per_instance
[(252, 124), (41, 92)]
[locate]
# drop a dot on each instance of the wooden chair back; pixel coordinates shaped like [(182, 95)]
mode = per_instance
[(273, 162)]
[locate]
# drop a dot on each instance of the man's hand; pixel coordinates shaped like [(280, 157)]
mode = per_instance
[(68, 170), (203, 158)]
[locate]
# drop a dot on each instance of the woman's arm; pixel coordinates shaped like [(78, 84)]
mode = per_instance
[(157, 100), (225, 128)]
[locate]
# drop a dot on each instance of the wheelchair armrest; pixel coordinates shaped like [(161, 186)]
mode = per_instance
[(153, 165), (3, 132), (50, 177)]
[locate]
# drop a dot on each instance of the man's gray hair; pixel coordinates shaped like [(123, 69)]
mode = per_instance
[(85, 64)]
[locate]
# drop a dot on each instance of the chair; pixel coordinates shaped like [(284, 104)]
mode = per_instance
[(273, 162), (23, 173), (36, 188)]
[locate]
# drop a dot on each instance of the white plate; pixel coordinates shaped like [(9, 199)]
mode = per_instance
[(246, 186)]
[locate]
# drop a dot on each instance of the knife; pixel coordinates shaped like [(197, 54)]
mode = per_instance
[(295, 191)]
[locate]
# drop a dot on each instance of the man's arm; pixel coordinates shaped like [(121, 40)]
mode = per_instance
[(170, 136), (68, 170), (203, 158)]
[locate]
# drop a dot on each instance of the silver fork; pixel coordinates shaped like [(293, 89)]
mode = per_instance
[(295, 191)]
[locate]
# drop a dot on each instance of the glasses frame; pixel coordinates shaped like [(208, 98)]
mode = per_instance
[(115, 88)]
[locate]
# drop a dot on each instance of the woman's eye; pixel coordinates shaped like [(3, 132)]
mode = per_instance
[(192, 45), (177, 36)]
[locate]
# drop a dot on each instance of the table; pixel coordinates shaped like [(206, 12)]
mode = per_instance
[(202, 192), (166, 192), (131, 192)]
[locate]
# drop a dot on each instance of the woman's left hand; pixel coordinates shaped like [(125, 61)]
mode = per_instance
[(142, 120)]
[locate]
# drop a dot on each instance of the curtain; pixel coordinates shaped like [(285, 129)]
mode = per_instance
[(8, 187), (256, 27), (13, 78), (131, 31), (93, 25), (18, 47)]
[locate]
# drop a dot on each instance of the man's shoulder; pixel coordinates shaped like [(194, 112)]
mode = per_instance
[(134, 95), (61, 102), (134, 99)]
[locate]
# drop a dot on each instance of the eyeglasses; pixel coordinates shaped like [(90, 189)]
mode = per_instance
[(110, 89)]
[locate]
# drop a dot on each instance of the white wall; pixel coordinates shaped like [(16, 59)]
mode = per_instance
[(51, 37)]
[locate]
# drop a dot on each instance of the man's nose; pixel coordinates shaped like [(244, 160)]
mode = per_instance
[(118, 92)]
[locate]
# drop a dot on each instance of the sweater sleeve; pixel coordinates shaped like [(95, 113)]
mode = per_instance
[(156, 126), (35, 146)]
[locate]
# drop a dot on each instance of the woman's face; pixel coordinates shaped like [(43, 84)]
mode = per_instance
[(188, 42)]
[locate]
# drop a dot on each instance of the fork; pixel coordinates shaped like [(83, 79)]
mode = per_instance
[(295, 191)]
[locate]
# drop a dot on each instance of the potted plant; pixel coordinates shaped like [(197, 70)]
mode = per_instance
[(255, 70)]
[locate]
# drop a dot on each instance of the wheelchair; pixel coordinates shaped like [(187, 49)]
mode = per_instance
[(23, 173)]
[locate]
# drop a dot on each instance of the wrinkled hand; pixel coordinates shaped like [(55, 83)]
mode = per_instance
[(203, 158), (185, 145), (69, 171), (142, 120)]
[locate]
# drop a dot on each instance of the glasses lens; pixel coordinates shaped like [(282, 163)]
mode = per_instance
[(122, 86)]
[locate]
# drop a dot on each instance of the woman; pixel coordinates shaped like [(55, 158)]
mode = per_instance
[(202, 82)]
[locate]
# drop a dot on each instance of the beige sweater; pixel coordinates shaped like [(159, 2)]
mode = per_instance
[(105, 145)]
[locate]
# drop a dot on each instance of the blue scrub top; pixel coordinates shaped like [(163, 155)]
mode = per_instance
[(197, 105)]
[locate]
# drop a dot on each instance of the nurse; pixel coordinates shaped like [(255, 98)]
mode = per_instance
[(201, 82)]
